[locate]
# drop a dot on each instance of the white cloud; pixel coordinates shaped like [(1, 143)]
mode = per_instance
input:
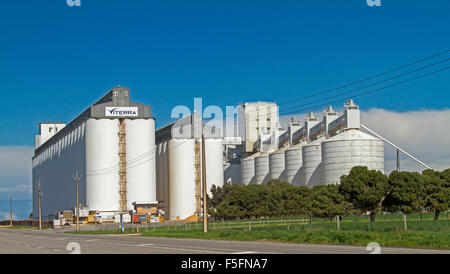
[(15, 170), (423, 133)]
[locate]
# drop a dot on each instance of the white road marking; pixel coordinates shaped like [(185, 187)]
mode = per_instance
[(145, 245), (245, 252)]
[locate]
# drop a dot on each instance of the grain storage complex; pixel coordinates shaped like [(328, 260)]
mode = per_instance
[(319, 152), (122, 161), (111, 145), (178, 171)]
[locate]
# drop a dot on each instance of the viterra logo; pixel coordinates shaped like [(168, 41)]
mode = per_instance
[(73, 3), (121, 111)]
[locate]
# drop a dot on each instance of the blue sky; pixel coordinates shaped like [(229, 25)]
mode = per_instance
[(56, 60)]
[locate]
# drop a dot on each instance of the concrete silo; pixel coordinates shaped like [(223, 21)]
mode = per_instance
[(349, 149), (277, 164), (312, 158), (140, 151), (293, 164), (111, 145), (214, 163), (261, 168), (102, 181), (248, 169), (179, 166), (182, 178)]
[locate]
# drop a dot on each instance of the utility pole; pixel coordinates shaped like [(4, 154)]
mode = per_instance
[(10, 211), (205, 211), (398, 160), (39, 199), (77, 177)]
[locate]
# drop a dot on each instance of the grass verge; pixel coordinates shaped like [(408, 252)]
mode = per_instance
[(420, 234)]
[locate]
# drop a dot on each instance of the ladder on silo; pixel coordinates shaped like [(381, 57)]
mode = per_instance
[(122, 166), (198, 180)]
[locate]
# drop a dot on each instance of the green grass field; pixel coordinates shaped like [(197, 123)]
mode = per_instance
[(387, 231)]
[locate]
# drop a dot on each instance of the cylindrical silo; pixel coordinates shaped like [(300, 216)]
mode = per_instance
[(162, 177), (277, 164), (349, 149), (102, 163), (248, 170), (182, 174), (261, 169), (140, 155), (312, 158), (293, 164), (214, 163)]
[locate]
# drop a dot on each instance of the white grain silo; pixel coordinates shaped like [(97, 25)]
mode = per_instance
[(102, 180), (140, 146), (277, 164), (312, 158), (248, 169), (182, 178), (110, 145), (349, 149), (214, 163), (293, 163), (261, 168)]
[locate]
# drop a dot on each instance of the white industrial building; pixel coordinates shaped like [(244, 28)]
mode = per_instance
[(178, 165), (319, 152), (111, 145), (123, 161), (254, 120)]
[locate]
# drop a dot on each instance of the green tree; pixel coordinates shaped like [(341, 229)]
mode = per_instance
[(218, 195), (365, 189), (406, 192), (277, 197), (327, 201), (246, 201), (437, 191), (298, 200)]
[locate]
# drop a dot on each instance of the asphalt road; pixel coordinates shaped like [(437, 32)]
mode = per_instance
[(15, 241)]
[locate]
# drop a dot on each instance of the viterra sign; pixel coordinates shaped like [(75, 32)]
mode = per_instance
[(121, 111)]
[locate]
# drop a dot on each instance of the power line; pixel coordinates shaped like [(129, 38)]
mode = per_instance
[(372, 91), (359, 81), (372, 84), (365, 79)]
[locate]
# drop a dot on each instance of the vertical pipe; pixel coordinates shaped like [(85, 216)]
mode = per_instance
[(398, 160), (205, 211), (76, 177), (10, 211), (39, 199), (78, 205)]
